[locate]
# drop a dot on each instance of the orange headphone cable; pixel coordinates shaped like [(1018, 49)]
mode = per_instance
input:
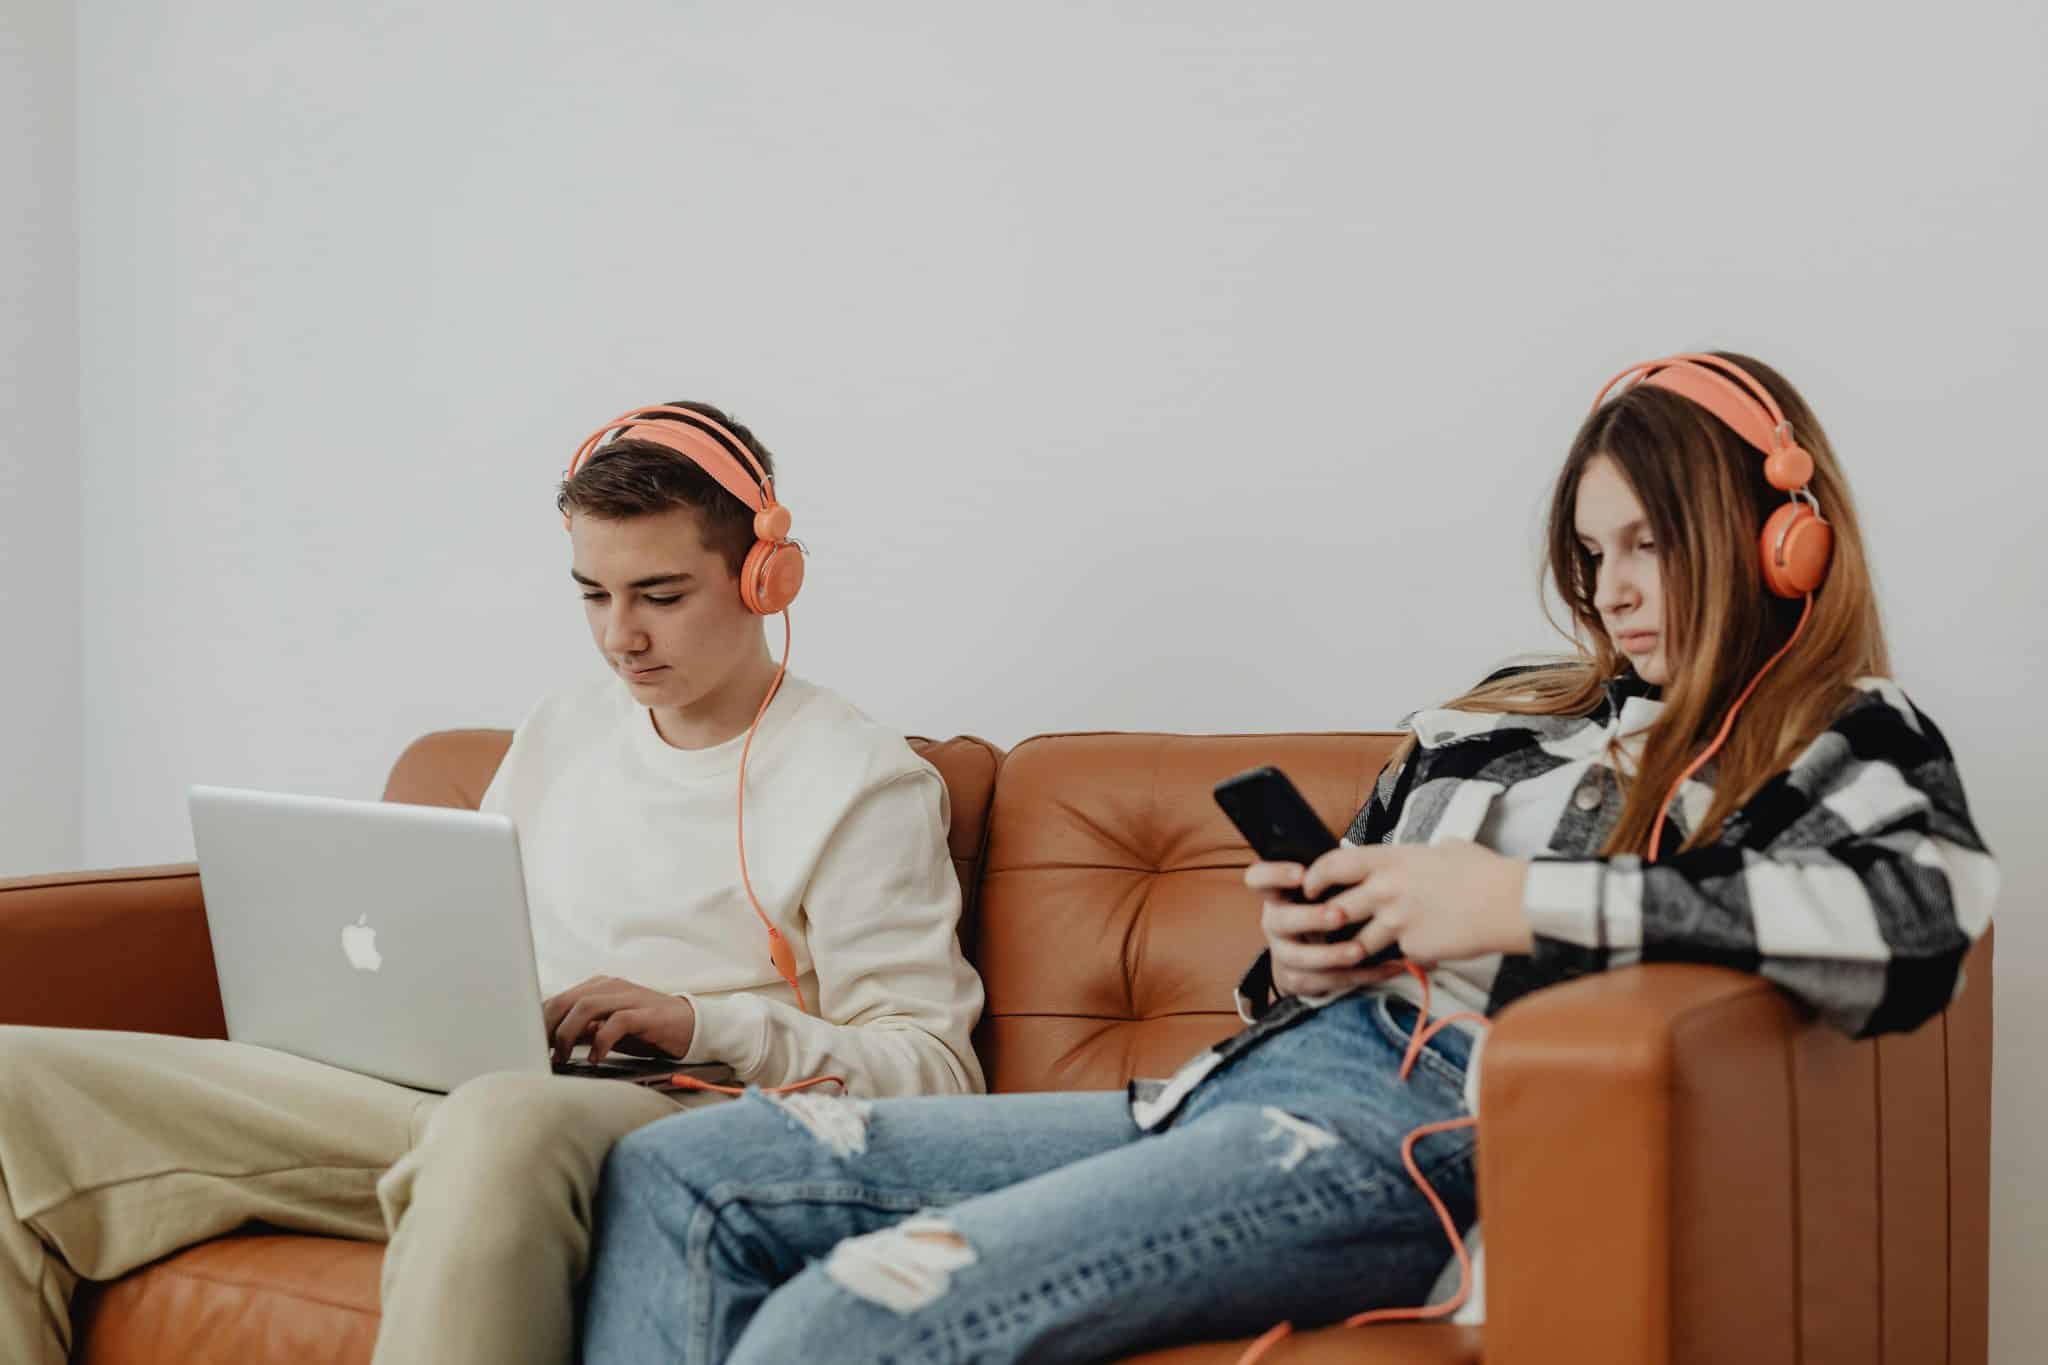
[(778, 947), (1657, 830), (779, 951), (1425, 1029), (679, 1081)]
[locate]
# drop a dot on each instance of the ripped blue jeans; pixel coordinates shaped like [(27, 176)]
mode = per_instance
[(1036, 1226)]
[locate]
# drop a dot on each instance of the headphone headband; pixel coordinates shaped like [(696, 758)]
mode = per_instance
[(698, 439), (773, 570), (1720, 386), (1796, 542)]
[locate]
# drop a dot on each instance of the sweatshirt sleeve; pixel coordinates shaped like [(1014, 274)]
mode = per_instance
[(1855, 880), (896, 1001)]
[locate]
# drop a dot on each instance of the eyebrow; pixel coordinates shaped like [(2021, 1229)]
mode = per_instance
[(660, 580), (1639, 524)]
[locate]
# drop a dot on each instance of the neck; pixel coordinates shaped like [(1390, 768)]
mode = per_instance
[(722, 714)]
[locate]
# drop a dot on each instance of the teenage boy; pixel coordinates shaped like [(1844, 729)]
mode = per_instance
[(116, 1149)]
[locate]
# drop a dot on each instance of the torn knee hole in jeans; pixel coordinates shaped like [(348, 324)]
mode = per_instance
[(841, 1124), (901, 1268), (1295, 1137)]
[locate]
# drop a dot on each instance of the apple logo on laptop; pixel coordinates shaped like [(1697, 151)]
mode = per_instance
[(359, 941)]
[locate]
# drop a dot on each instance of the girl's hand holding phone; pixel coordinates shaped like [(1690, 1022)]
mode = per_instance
[(1437, 904)]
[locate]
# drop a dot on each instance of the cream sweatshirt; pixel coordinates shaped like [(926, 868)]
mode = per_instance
[(632, 870)]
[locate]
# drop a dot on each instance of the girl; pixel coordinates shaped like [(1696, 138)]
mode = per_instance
[(1722, 773)]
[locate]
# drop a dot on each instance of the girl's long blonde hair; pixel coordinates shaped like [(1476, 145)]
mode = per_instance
[(1704, 494)]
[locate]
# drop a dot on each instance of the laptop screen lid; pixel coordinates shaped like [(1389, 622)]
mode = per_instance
[(386, 939)]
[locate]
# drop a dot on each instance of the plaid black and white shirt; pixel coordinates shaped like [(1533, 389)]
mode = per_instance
[(1853, 879)]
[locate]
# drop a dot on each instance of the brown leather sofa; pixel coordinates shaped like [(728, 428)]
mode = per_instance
[(1676, 1165)]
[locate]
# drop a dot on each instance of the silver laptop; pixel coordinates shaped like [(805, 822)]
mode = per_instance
[(386, 939)]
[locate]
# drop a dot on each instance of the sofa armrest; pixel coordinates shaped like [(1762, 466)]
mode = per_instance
[(124, 949), (1637, 1170)]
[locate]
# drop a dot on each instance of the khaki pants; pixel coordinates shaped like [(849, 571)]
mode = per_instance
[(119, 1148)]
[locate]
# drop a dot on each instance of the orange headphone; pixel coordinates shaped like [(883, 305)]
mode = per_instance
[(774, 568), (1796, 542), (769, 579)]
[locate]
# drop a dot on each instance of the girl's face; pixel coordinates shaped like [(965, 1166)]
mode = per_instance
[(1628, 589)]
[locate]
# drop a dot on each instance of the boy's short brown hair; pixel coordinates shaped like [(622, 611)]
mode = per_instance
[(625, 478)]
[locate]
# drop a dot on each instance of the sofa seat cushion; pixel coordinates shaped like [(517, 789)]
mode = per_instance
[(314, 1301), (1400, 1343), (270, 1297)]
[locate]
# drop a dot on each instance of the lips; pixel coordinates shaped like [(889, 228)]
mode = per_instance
[(1636, 641), (643, 674)]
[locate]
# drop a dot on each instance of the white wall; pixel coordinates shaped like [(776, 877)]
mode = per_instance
[(39, 594), (1132, 370)]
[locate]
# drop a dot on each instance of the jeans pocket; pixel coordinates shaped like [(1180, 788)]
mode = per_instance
[(1398, 1020)]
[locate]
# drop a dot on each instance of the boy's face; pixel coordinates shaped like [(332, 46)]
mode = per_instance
[(664, 610)]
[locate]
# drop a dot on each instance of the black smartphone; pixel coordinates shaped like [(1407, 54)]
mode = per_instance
[(1281, 827)]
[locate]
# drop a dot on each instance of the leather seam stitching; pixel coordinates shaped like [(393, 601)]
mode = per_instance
[(266, 1287)]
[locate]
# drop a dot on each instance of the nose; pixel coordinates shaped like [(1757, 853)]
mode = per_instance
[(622, 634), (1614, 588)]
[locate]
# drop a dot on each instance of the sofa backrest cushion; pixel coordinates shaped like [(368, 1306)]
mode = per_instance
[(1113, 919), (453, 767)]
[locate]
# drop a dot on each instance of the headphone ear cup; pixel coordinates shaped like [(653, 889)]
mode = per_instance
[(1796, 546), (771, 577)]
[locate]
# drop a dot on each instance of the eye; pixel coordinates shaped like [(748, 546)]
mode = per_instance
[(668, 601), (595, 596)]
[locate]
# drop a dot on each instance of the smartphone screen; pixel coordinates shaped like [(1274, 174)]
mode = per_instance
[(1276, 820), (1281, 827)]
